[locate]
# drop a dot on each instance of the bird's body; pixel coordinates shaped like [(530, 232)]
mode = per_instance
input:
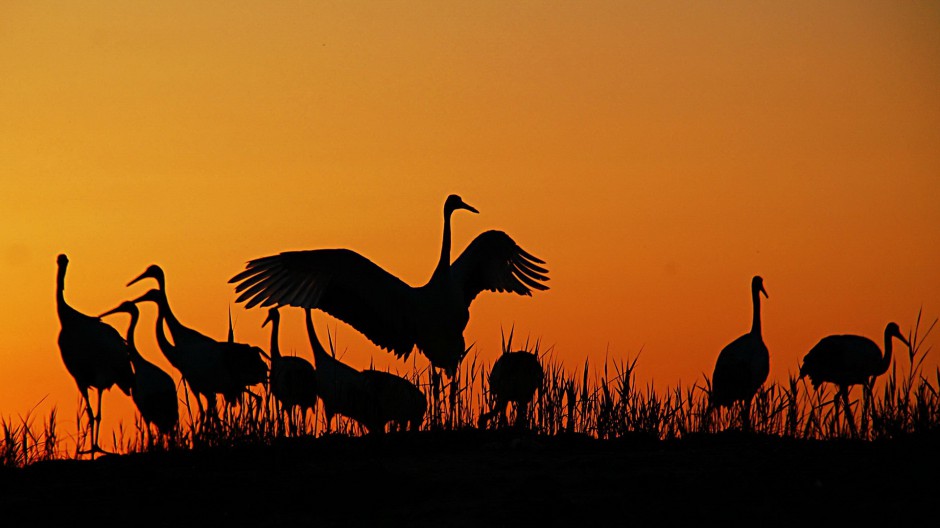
[(391, 399), (210, 367), (340, 386), (393, 315), (293, 379), (153, 390), (514, 378), (743, 365), (94, 353), (846, 360)]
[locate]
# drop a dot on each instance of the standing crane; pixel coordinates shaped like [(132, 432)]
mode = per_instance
[(94, 354), (393, 315), (743, 365), (293, 379), (846, 360), (153, 390), (210, 367)]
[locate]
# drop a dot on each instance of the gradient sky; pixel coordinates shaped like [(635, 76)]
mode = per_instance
[(655, 154)]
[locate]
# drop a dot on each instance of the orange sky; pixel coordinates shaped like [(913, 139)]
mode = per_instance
[(656, 155)]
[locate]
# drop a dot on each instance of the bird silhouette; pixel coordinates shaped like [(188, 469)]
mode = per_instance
[(393, 315), (514, 378), (371, 397), (210, 367), (743, 365), (293, 379), (846, 360), (153, 390), (94, 354), (340, 386), (391, 399)]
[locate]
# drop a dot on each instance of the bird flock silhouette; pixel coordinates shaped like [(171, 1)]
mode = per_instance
[(396, 317)]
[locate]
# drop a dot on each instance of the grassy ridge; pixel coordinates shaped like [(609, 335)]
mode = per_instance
[(599, 402)]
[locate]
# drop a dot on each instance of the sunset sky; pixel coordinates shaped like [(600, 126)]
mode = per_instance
[(656, 155)]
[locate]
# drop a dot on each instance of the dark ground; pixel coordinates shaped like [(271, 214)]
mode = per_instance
[(475, 478)]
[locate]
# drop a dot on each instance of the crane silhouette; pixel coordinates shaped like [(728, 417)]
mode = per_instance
[(371, 397), (393, 315), (94, 354), (341, 387), (514, 378), (743, 365), (293, 379), (846, 360), (208, 366), (153, 390), (391, 399)]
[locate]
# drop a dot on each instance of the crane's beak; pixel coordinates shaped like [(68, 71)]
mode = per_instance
[(468, 207), (139, 278), (149, 296), (762, 290), (267, 320), (904, 340), (111, 312)]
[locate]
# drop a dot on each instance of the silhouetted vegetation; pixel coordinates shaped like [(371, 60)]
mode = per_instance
[(599, 401)]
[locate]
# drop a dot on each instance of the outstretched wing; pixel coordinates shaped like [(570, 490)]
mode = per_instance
[(340, 282), (494, 262)]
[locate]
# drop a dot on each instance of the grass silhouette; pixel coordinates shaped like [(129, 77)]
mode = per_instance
[(600, 402)]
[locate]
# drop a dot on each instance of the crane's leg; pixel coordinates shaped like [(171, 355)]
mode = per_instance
[(452, 400), (290, 421), (849, 417), (94, 438), (95, 448), (746, 416), (522, 415), (199, 407), (212, 407), (91, 420), (281, 419), (435, 396)]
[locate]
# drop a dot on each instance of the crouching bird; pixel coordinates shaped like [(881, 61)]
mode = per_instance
[(514, 378)]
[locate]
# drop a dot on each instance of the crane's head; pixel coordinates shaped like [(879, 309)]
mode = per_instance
[(62, 260), (154, 295), (125, 307), (893, 330), (757, 285), (454, 202), (152, 272), (273, 317)]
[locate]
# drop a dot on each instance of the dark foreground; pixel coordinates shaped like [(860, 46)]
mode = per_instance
[(475, 478)]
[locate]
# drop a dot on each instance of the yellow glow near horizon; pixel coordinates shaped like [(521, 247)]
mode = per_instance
[(656, 156)]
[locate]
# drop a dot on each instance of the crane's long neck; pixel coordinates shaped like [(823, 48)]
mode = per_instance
[(131, 328), (61, 306), (275, 349), (319, 353), (163, 307), (886, 359), (168, 349), (755, 322), (443, 264)]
